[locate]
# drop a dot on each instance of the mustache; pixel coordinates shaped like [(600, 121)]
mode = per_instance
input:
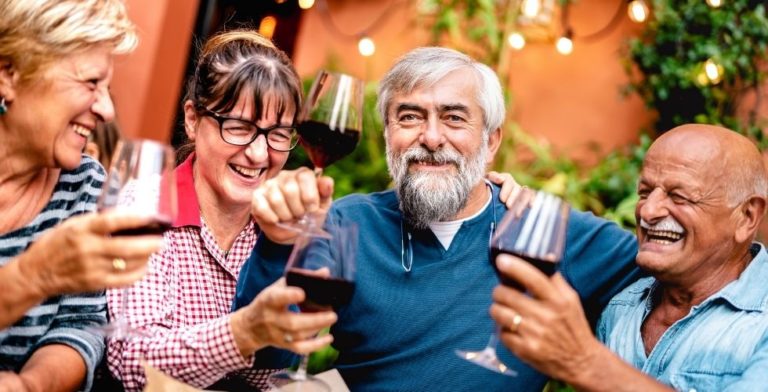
[(667, 224), (440, 157)]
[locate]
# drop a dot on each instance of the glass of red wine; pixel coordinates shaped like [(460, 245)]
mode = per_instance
[(324, 267), (140, 181), (330, 125), (537, 235)]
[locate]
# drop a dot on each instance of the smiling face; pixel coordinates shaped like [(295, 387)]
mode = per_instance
[(227, 173), (52, 116), (687, 223), (437, 147)]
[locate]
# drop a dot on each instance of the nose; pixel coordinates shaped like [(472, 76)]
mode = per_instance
[(103, 105), (432, 136), (653, 208), (258, 151)]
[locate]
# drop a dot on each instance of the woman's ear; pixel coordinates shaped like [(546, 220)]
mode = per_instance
[(190, 119), (9, 79)]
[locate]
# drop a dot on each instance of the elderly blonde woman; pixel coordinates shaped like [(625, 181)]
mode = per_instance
[(55, 69)]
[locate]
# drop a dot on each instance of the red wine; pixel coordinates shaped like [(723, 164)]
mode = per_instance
[(321, 291), (548, 267), (325, 146), (155, 227)]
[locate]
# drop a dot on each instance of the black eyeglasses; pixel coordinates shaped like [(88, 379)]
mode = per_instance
[(240, 132)]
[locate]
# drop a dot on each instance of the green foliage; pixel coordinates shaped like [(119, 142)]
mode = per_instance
[(671, 53)]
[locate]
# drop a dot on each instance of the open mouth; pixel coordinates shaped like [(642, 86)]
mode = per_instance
[(663, 237), (246, 172), (81, 130)]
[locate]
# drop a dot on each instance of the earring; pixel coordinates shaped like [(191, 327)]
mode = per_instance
[(3, 106)]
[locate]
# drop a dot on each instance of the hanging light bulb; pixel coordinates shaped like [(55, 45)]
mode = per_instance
[(714, 3), (267, 26), (366, 46), (713, 70), (306, 4), (516, 41), (638, 11), (531, 8), (564, 44)]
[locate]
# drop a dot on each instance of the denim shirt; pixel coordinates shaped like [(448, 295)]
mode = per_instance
[(721, 345)]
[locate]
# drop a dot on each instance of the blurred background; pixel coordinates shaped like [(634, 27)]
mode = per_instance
[(589, 83)]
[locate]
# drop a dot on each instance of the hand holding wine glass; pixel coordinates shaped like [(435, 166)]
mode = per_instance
[(325, 269), (140, 182), (536, 235)]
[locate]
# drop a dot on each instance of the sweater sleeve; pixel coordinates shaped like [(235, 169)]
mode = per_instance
[(599, 260)]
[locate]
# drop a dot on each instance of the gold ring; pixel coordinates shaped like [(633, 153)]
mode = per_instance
[(288, 338), (118, 263), (516, 321)]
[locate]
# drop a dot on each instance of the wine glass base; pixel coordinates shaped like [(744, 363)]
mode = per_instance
[(120, 330), (487, 358), (294, 382)]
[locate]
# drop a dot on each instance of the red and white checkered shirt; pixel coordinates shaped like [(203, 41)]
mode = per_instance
[(183, 303)]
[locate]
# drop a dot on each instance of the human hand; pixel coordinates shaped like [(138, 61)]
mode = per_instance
[(287, 198), (12, 382), (512, 194), (267, 321), (79, 255), (546, 328)]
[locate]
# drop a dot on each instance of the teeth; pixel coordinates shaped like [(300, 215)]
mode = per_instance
[(664, 237), (81, 130), (246, 171)]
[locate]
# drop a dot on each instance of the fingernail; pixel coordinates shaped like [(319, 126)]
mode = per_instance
[(503, 261)]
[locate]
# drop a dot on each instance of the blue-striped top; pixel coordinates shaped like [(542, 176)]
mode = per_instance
[(63, 319)]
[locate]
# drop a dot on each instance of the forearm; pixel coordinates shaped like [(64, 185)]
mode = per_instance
[(54, 367), (198, 355), (604, 371), (19, 294)]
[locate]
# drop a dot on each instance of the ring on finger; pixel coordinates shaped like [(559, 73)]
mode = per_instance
[(516, 321), (288, 338), (118, 263)]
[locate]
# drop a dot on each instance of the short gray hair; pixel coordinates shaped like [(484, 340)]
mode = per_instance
[(423, 67), (35, 33)]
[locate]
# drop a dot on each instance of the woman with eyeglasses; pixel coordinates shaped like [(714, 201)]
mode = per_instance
[(239, 115)]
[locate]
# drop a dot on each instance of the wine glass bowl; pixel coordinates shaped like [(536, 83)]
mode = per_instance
[(537, 235), (324, 267), (141, 182), (331, 119)]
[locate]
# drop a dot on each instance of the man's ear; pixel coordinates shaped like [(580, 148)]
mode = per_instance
[(190, 119), (9, 79), (494, 142), (751, 215)]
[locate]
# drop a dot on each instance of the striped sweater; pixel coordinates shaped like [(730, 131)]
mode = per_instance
[(63, 319)]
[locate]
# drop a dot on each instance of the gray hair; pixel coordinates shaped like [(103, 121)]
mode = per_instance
[(746, 181), (35, 33), (423, 67)]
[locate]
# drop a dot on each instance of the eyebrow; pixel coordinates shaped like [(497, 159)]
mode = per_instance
[(454, 107), (410, 107)]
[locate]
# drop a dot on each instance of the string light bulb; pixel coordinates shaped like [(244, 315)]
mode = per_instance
[(564, 44), (638, 11), (714, 3), (713, 70), (516, 41), (306, 4), (366, 46), (530, 8)]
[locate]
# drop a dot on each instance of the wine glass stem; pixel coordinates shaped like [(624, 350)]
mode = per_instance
[(301, 372), (124, 305), (494, 339)]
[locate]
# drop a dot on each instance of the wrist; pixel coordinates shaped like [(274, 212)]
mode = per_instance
[(590, 374), (242, 332), (29, 285)]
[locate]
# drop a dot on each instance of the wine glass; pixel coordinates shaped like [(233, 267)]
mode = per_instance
[(140, 181), (324, 267), (330, 125), (536, 235)]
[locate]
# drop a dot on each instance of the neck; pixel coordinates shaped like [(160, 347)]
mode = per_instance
[(224, 219), (476, 201), (699, 285)]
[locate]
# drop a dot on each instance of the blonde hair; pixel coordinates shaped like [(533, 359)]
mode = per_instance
[(35, 33)]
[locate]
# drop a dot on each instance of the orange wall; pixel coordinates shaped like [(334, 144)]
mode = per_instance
[(146, 84), (570, 100)]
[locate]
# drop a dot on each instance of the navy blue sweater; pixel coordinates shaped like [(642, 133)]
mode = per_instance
[(401, 329)]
